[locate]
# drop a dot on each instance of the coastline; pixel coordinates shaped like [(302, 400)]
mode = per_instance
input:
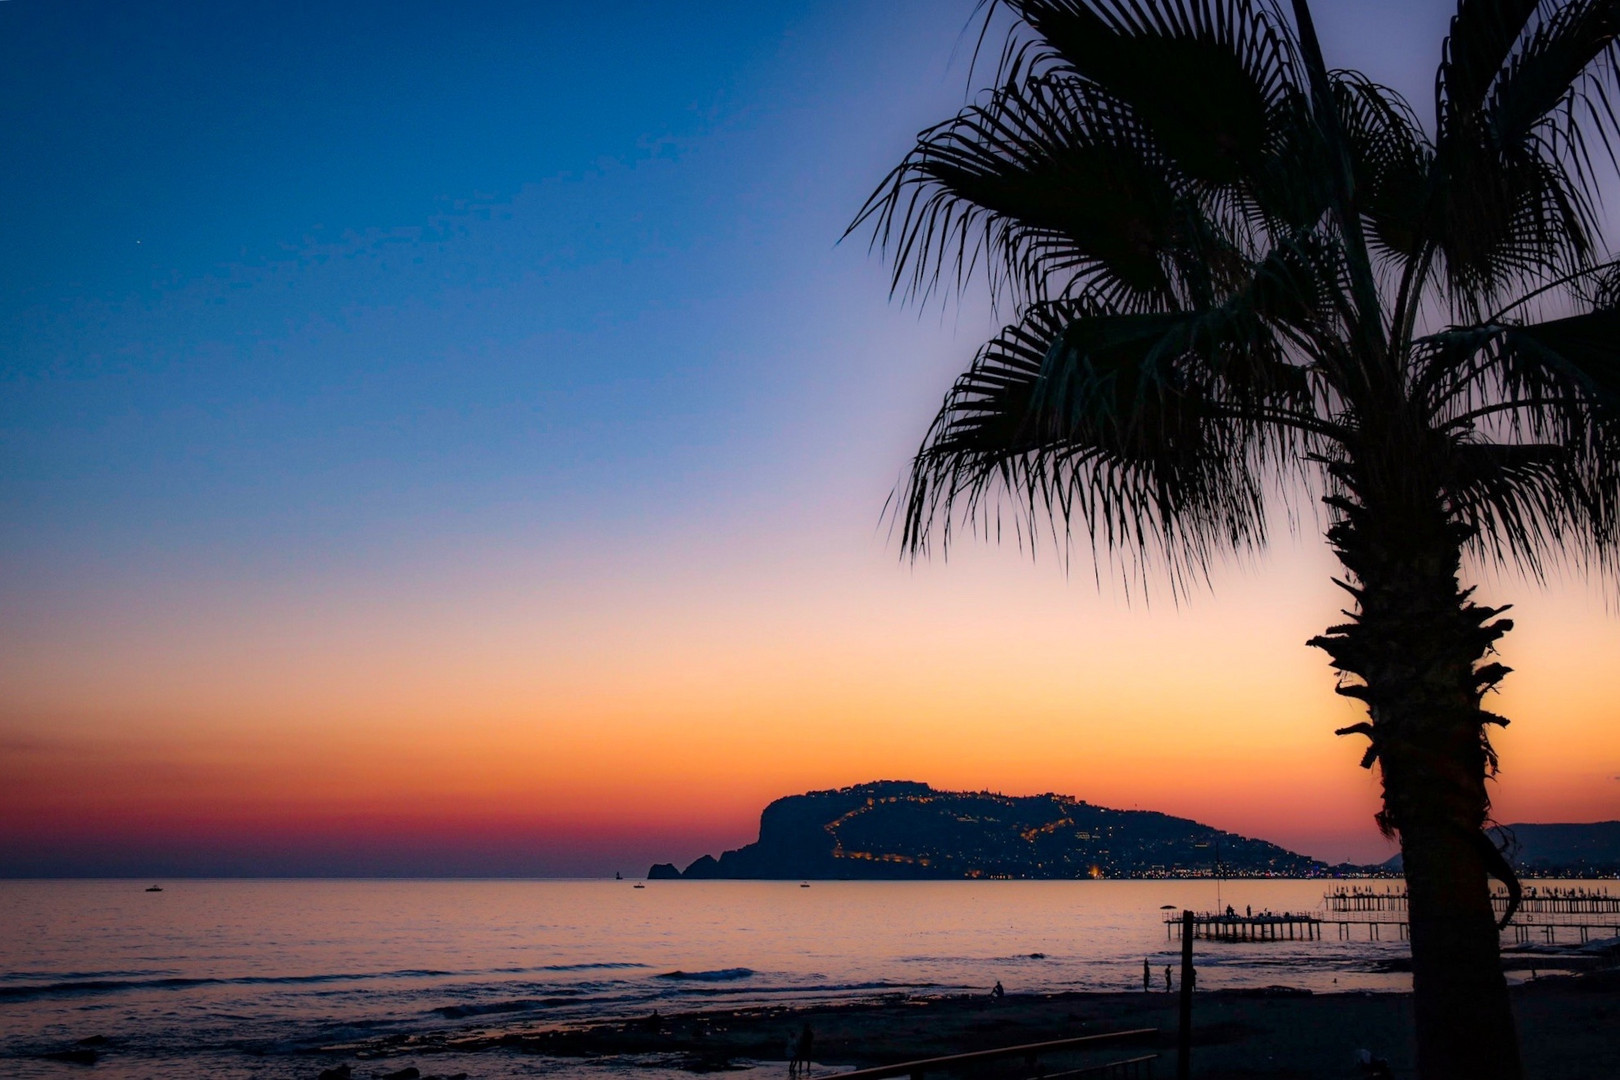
[(1567, 1026), (507, 981)]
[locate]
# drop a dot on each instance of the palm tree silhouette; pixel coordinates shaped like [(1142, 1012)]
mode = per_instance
[(1237, 276)]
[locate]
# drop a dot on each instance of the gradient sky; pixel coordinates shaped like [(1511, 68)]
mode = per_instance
[(449, 438)]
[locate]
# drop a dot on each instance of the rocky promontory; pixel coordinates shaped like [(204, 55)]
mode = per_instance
[(900, 829)]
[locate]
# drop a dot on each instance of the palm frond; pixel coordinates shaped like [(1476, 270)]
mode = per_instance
[(1130, 451), (1514, 190), (1390, 161), (1521, 503), (1549, 78), (1577, 357), (1208, 78), (1217, 252), (1536, 412), (1045, 181), (1483, 33), (1499, 219)]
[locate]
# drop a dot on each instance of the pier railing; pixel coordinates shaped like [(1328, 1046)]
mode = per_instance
[(1542, 911), (1031, 1054), (1266, 926), (1535, 900)]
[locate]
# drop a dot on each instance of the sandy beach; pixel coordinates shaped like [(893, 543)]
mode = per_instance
[(1569, 1026)]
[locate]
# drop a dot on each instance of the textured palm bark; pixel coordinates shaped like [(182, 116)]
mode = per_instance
[(1416, 652)]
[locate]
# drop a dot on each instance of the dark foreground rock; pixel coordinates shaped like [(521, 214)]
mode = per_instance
[(77, 1056)]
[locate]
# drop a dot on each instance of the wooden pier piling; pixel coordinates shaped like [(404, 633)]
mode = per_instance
[(1184, 1033)]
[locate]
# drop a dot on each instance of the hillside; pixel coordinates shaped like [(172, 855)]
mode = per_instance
[(1590, 849), (1574, 849), (896, 829)]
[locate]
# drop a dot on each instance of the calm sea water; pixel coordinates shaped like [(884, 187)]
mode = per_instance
[(247, 978)]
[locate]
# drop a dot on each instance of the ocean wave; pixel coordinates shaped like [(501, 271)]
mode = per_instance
[(86, 983), (458, 1012), (851, 987), (61, 976), (717, 975), (93, 986), (623, 1000), (604, 966), (804, 989)]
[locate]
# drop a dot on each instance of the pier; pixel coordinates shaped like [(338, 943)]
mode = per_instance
[(1266, 926), (1577, 911), (1545, 914)]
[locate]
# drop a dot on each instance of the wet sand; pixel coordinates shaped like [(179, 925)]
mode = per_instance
[(1569, 1026)]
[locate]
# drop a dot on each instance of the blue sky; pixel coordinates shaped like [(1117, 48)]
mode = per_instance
[(282, 272), (301, 270), (283, 269)]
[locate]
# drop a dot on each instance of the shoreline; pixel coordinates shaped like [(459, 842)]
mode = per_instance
[(1569, 1027)]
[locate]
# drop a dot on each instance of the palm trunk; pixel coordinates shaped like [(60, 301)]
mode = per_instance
[(1463, 1022), (1416, 649)]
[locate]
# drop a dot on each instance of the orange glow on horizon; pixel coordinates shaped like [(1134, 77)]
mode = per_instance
[(554, 710)]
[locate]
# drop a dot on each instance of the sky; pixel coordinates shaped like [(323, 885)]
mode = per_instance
[(452, 439)]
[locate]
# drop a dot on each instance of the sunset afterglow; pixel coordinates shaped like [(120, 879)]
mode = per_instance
[(447, 489)]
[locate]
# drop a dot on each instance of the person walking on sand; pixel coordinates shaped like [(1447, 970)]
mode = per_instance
[(1167, 978), (1147, 976)]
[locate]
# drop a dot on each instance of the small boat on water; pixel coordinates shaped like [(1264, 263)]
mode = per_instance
[(154, 888), (804, 884), (617, 876), (638, 885)]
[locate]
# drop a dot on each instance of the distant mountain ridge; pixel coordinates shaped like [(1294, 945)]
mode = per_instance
[(1571, 848), (900, 829), (1590, 849)]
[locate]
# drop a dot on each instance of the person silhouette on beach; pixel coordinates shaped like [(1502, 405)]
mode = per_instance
[(1167, 978), (801, 1047), (997, 992), (1147, 976)]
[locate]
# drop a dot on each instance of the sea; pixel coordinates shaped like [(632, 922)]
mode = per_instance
[(252, 979)]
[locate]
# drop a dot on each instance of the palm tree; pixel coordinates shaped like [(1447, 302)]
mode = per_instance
[(1234, 276)]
